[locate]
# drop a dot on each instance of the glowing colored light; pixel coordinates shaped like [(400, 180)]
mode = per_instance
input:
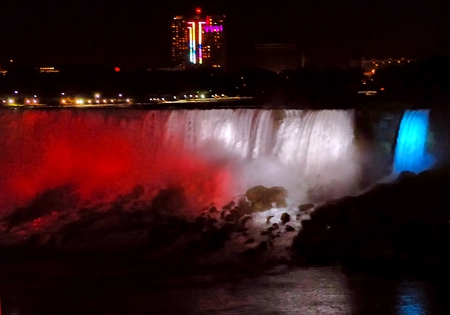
[(213, 28), (198, 10), (192, 37), (191, 45), (117, 69), (410, 151), (200, 45)]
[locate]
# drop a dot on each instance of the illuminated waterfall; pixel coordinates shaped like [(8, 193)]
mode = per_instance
[(214, 154), (304, 151), (410, 151)]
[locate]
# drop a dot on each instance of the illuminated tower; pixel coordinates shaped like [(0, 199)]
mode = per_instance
[(198, 41)]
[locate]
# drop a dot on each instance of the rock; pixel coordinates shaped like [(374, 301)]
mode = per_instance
[(403, 221), (277, 195), (245, 220), (249, 241), (268, 219), (229, 205), (211, 221), (242, 211), (305, 207), (285, 217), (212, 210), (275, 226), (200, 219), (137, 192), (289, 228), (255, 196), (262, 247), (262, 198), (232, 217)]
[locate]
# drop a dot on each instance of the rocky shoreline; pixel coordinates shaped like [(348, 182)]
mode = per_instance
[(406, 221)]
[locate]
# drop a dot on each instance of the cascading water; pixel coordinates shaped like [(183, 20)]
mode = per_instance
[(213, 154), (410, 150), (300, 150)]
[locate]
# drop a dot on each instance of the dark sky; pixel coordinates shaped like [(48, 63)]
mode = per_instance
[(134, 33)]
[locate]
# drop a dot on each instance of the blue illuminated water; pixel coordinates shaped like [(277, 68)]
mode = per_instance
[(410, 151)]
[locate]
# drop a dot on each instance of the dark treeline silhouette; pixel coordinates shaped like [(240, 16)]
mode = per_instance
[(423, 83)]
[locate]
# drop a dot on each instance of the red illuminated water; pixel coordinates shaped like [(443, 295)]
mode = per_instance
[(213, 155)]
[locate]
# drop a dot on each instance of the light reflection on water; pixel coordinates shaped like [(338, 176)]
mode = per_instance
[(412, 299), (314, 290)]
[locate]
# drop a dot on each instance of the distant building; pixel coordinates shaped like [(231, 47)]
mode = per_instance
[(48, 70), (371, 65), (198, 41), (278, 57)]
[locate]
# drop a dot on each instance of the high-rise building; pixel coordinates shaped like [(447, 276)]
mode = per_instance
[(198, 41)]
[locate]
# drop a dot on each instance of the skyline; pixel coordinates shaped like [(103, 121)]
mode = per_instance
[(137, 33)]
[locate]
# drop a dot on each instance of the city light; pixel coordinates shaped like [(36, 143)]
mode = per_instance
[(213, 28), (200, 45), (197, 41), (191, 45)]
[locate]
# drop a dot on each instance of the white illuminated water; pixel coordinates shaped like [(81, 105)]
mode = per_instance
[(309, 152), (302, 150)]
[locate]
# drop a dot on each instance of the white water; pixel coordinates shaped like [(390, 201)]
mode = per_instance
[(304, 151), (221, 151)]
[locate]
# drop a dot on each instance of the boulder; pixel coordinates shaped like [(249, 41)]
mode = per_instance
[(262, 198), (285, 218), (306, 207)]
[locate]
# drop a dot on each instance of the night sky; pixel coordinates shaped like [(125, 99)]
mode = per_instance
[(136, 33)]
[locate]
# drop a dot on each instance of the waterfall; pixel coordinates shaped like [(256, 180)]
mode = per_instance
[(410, 150), (213, 154)]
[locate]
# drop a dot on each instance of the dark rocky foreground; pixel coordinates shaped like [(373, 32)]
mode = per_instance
[(52, 235), (406, 221)]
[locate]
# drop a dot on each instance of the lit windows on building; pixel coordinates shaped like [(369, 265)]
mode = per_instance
[(198, 41), (371, 65), (48, 70)]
